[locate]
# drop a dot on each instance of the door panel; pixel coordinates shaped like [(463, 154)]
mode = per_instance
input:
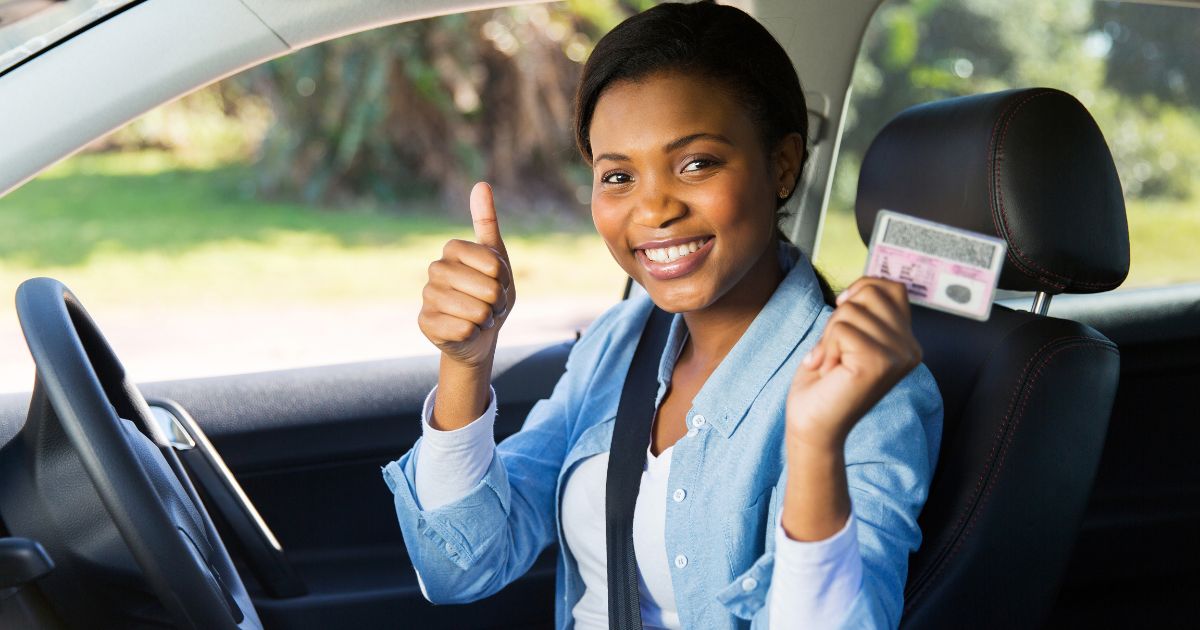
[(307, 446), (1137, 559)]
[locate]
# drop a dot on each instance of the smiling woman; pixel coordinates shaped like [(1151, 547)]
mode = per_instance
[(774, 413), (682, 187)]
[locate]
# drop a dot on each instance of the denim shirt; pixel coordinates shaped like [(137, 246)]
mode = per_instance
[(731, 465)]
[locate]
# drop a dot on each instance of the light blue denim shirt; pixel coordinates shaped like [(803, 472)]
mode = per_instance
[(731, 465)]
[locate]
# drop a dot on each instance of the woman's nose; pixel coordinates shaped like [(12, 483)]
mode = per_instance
[(657, 207)]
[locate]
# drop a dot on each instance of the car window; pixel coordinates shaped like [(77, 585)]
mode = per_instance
[(286, 216), (1135, 66)]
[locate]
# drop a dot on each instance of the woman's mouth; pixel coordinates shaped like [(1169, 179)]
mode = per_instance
[(674, 259)]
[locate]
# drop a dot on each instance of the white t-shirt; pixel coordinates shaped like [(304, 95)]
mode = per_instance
[(819, 579), (584, 525)]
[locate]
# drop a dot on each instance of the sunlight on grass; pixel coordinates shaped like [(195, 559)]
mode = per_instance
[(1164, 244), (190, 275), (127, 163), (134, 228), (166, 235), (293, 268), (841, 255)]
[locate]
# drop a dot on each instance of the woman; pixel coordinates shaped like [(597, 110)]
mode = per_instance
[(793, 442)]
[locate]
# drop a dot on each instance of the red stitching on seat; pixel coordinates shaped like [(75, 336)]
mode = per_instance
[(997, 146), (1056, 280), (976, 507)]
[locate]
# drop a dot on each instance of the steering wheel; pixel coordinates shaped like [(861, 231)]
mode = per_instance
[(91, 470)]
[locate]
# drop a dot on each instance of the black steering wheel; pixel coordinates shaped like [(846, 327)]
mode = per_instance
[(94, 480)]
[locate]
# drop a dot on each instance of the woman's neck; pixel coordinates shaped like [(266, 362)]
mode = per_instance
[(713, 331)]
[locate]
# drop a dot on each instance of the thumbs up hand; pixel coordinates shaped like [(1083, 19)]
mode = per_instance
[(470, 290)]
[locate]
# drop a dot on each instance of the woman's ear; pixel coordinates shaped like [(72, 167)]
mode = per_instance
[(788, 158)]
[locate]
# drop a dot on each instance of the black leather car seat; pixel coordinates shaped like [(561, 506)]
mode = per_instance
[(1027, 397)]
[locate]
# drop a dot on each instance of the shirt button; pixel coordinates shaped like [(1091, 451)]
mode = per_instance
[(698, 420), (749, 584), (680, 561), (679, 494)]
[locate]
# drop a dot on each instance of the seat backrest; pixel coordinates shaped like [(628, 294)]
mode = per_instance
[(1027, 398)]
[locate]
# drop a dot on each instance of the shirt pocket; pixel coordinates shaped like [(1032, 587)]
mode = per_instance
[(747, 593), (750, 556), (745, 531)]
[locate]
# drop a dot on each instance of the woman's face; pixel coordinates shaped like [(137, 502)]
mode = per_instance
[(683, 192)]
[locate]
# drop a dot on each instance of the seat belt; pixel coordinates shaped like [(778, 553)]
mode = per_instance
[(626, 461)]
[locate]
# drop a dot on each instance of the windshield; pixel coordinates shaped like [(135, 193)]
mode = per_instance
[(29, 26)]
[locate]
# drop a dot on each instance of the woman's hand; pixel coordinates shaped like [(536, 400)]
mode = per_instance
[(470, 290), (467, 299), (867, 347)]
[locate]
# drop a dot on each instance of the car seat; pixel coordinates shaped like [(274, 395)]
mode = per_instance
[(1027, 397)]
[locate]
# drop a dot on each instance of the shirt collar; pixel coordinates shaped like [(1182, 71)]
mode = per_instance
[(771, 338)]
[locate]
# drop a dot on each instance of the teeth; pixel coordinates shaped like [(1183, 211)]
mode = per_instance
[(673, 253)]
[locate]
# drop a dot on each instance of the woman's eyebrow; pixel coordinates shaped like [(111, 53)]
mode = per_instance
[(616, 157), (673, 145), (679, 143)]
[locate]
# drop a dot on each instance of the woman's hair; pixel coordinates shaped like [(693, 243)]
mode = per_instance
[(702, 39)]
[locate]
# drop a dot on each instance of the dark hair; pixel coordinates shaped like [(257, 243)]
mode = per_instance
[(707, 40)]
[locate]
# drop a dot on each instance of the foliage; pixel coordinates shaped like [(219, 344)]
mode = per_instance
[(922, 50), (216, 125), (1152, 53), (422, 110), (430, 107)]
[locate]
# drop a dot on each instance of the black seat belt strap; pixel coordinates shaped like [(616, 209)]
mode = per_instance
[(626, 461)]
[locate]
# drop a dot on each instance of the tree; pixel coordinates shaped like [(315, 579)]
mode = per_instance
[(429, 107), (1152, 51), (1122, 62)]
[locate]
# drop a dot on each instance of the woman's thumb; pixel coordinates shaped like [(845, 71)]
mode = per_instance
[(483, 218)]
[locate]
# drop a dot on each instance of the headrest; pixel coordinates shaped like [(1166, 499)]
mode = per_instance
[(1029, 166)]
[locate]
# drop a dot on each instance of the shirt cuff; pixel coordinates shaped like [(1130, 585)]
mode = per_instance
[(814, 583), (449, 464)]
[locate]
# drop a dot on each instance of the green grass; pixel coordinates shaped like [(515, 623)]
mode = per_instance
[(132, 229), (1164, 244), (141, 229)]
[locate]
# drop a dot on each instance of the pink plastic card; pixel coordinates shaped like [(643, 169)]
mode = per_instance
[(944, 268)]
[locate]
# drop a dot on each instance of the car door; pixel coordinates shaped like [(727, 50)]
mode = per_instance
[(307, 446), (293, 477), (1135, 559), (1136, 556)]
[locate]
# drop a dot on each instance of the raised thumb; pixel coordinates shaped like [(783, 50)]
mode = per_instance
[(483, 218)]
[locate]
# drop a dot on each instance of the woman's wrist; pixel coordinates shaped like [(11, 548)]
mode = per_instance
[(816, 501), (463, 393), (817, 437)]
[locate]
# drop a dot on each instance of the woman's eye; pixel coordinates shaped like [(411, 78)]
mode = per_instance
[(616, 177), (697, 164)]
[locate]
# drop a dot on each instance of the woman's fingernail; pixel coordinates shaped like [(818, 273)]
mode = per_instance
[(813, 358)]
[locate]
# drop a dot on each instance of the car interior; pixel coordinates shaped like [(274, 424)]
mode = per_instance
[(1063, 495)]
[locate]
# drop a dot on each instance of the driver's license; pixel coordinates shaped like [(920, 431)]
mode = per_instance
[(944, 268)]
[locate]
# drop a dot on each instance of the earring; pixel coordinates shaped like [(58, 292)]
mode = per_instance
[(783, 192)]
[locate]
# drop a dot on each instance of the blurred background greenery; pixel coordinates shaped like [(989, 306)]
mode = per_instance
[(333, 175), (1136, 68)]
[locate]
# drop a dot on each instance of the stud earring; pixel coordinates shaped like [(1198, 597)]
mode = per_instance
[(783, 192)]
